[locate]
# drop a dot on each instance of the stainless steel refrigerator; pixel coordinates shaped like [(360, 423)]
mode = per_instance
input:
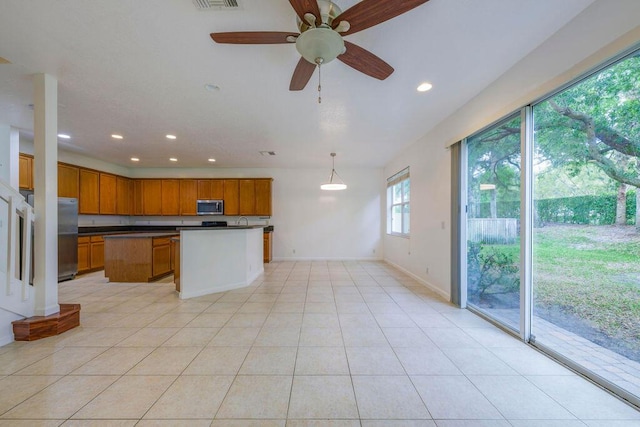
[(67, 237)]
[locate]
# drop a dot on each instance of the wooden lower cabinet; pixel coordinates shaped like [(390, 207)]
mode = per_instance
[(175, 260), (90, 253), (84, 254), (137, 257), (267, 247), (97, 253), (161, 257)]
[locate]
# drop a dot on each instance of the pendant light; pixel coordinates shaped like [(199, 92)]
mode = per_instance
[(339, 183)]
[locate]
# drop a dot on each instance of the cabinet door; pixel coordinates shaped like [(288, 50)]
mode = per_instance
[(97, 252), (89, 200), (263, 197), (188, 196), (68, 177), (84, 261), (247, 197), (25, 172), (152, 197), (136, 197), (161, 260), (170, 197), (231, 197), (210, 189), (123, 196), (107, 194)]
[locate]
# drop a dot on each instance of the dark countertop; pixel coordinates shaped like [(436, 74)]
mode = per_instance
[(120, 229), (139, 235), (232, 227)]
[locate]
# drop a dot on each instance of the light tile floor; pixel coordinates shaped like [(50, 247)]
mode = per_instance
[(308, 344)]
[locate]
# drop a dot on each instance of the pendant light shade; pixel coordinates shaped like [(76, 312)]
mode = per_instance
[(335, 182)]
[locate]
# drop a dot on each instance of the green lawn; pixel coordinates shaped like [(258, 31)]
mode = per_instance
[(592, 272), (587, 273)]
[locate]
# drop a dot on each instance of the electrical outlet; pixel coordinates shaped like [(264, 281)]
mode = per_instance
[(294, 251), (427, 270), (374, 251)]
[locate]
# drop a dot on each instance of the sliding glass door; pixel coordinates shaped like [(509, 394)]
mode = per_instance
[(586, 240), (492, 224), (568, 278)]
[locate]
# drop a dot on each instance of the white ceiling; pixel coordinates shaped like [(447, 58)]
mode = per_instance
[(139, 67)]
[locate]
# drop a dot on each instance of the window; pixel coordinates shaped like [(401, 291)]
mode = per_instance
[(398, 214)]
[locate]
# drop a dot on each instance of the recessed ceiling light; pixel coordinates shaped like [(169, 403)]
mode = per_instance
[(173, 159), (211, 87), (64, 136), (116, 136), (171, 136), (424, 87), (212, 160), (135, 159)]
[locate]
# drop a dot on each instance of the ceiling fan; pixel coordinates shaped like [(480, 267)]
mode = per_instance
[(322, 26)]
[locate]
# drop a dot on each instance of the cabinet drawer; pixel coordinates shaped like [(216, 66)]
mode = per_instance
[(84, 239), (95, 239), (159, 241)]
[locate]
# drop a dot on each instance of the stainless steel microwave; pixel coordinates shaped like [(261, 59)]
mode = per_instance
[(210, 207)]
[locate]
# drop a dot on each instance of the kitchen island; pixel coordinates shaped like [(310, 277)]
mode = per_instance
[(217, 259), (137, 257)]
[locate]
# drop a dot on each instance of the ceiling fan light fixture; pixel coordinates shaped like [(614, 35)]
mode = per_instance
[(322, 43), (334, 184)]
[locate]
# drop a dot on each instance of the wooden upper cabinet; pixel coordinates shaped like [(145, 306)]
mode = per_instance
[(170, 197), (68, 177), (123, 196), (247, 197), (263, 196), (89, 200), (152, 197), (135, 200), (210, 189), (188, 196), (231, 197), (25, 178), (107, 194)]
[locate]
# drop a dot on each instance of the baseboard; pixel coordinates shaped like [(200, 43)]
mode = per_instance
[(419, 279), (326, 259)]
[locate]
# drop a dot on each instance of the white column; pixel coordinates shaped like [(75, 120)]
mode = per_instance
[(45, 157), (9, 149)]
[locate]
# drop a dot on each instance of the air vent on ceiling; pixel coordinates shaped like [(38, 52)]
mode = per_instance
[(217, 4), (268, 153)]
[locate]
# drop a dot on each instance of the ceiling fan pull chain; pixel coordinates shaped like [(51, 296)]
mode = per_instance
[(319, 82)]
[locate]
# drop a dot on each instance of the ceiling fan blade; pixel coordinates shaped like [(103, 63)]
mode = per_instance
[(301, 75), (368, 13), (365, 61), (253, 37), (306, 6)]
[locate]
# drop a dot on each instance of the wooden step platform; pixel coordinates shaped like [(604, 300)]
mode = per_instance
[(37, 327)]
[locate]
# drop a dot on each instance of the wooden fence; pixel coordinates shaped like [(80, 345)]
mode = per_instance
[(502, 231)]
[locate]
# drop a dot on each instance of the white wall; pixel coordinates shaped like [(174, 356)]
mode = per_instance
[(603, 30), (6, 328), (429, 244)]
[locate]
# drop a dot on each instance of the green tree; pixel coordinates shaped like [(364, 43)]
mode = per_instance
[(596, 121)]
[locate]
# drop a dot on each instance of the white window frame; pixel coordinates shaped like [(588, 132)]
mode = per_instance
[(398, 179)]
